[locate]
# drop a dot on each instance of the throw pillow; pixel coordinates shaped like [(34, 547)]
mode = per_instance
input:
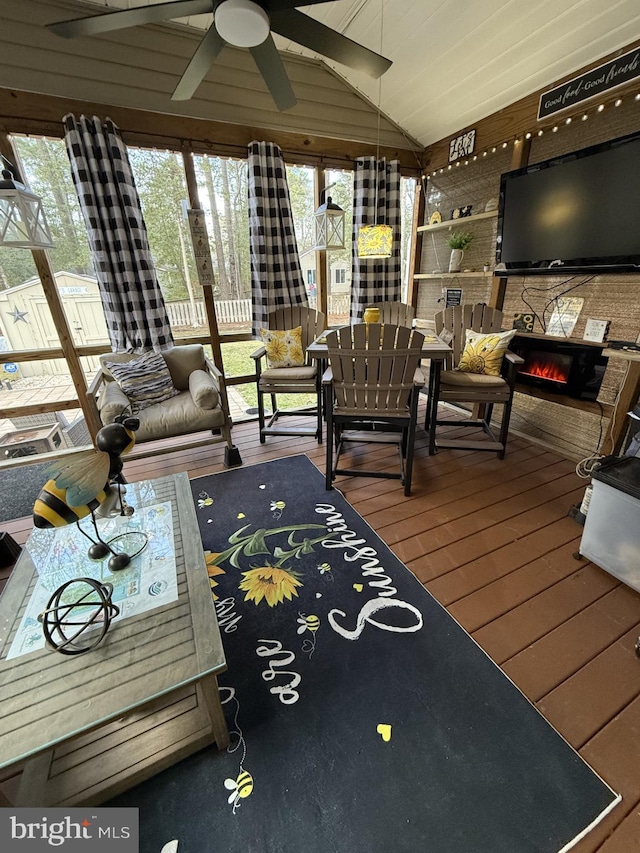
[(145, 380), (284, 349), (483, 352)]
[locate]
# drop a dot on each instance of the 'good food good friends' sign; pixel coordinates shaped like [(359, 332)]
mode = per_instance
[(591, 84)]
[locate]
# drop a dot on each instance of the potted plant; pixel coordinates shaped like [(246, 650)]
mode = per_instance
[(458, 241)]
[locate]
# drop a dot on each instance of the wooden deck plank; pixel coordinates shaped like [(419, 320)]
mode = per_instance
[(597, 692), (545, 664)]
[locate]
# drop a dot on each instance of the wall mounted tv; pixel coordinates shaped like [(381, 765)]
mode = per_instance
[(578, 213)]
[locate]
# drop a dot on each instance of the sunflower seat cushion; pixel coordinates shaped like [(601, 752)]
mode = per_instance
[(194, 406)]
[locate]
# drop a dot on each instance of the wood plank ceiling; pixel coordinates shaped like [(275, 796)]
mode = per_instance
[(457, 61)]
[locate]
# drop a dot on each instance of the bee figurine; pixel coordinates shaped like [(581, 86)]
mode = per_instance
[(79, 487)]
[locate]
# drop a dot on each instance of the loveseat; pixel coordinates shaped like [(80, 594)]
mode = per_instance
[(194, 400)]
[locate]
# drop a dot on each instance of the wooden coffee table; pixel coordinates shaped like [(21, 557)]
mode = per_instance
[(82, 729)]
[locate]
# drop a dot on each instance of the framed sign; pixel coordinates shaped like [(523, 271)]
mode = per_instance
[(201, 252), (590, 84), (462, 146), (453, 296)]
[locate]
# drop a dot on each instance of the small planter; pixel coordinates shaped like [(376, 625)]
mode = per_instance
[(455, 261)]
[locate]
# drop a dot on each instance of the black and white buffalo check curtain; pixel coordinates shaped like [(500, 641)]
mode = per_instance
[(276, 276), (133, 304), (375, 280)]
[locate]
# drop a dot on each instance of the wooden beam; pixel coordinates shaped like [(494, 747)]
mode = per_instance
[(28, 112), (415, 253), (47, 279), (207, 290), (321, 255)]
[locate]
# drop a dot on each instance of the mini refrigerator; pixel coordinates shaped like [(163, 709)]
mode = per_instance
[(611, 535)]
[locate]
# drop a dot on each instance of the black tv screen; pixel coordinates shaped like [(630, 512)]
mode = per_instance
[(575, 213)]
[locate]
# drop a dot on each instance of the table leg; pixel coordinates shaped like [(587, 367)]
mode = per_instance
[(209, 695), (432, 402)]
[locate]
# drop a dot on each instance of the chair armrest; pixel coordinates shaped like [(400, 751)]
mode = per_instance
[(213, 369), (113, 402), (419, 379), (513, 358), (204, 389), (259, 353), (510, 363), (327, 376), (96, 382)]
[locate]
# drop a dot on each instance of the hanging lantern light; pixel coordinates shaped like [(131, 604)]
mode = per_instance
[(329, 218), (375, 241), (23, 224)]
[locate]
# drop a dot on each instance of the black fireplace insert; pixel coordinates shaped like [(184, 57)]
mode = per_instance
[(564, 367)]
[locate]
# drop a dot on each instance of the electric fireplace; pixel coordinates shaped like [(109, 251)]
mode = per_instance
[(571, 368)]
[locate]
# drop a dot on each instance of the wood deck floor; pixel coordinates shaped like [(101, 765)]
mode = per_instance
[(492, 542)]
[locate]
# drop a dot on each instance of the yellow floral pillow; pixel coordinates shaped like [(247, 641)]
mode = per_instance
[(483, 352), (284, 349)]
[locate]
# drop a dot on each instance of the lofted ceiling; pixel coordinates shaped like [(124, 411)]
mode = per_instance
[(457, 61)]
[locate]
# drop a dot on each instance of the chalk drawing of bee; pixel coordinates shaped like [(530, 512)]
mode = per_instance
[(277, 507), (240, 788), (204, 500), (311, 624), (325, 570)]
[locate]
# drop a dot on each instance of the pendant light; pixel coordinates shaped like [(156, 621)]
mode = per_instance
[(376, 241), (23, 224)]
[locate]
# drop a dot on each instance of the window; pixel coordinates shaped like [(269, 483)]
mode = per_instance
[(340, 276), (311, 277)]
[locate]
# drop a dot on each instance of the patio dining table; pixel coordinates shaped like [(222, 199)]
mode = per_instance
[(434, 349)]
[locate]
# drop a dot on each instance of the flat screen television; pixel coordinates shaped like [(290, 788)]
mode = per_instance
[(578, 213)]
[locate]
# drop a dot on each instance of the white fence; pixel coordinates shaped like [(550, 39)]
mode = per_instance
[(238, 311)]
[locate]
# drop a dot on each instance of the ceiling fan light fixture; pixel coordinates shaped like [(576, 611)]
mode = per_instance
[(242, 23)]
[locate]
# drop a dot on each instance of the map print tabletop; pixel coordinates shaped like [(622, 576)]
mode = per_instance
[(60, 555)]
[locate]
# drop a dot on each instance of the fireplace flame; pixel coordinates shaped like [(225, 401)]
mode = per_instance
[(546, 370)]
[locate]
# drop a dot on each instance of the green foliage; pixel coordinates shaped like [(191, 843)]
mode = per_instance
[(460, 240)]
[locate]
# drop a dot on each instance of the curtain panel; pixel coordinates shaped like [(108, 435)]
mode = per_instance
[(376, 200), (133, 304), (276, 275)]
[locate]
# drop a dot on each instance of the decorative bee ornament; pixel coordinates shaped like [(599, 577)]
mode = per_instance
[(90, 484)]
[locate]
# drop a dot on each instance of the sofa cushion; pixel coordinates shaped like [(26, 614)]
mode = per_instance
[(203, 389), (144, 379), (177, 416), (182, 361)]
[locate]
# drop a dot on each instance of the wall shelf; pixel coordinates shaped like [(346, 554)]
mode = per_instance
[(464, 220), (423, 275)]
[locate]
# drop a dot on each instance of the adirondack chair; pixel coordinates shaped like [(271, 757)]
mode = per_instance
[(371, 390), (473, 382), (397, 313), (289, 369)]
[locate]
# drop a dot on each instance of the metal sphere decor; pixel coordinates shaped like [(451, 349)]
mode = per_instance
[(66, 623)]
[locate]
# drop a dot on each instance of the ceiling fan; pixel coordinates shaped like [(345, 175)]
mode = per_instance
[(242, 23)]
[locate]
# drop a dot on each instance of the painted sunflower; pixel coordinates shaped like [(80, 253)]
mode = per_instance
[(213, 569), (269, 582)]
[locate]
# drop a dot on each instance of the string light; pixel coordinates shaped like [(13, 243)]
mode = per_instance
[(540, 132)]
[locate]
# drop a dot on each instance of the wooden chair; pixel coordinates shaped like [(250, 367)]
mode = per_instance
[(397, 313), (304, 379), (480, 390), (371, 389)]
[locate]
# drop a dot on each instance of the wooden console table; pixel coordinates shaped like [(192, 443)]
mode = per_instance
[(627, 399)]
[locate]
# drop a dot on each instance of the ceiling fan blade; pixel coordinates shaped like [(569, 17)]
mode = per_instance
[(130, 18), (201, 62), (321, 39), (277, 5), (272, 69)]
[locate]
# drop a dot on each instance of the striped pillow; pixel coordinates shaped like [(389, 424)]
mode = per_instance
[(145, 380)]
